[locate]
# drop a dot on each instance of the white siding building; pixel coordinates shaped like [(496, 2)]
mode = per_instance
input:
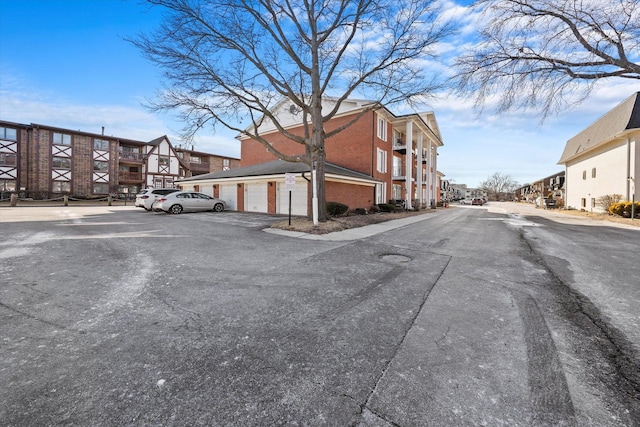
[(604, 158)]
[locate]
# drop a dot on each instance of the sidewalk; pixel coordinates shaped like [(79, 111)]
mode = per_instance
[(563, 216), (352, 233)]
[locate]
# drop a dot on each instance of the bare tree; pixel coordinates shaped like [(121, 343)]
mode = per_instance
[(229, 62), (547, 54), (499, 185)]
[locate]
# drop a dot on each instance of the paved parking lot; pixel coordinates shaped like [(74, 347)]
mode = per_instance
[(116, 316)]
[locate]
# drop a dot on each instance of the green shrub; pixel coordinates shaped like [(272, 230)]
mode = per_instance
[(387, 207), (336, 208)]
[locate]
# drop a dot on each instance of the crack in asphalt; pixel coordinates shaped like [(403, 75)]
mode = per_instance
[(397, 348), (623, 379)]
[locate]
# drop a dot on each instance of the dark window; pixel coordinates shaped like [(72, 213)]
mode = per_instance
[(100, 166), (100, 188), (61, 163), (101, 144), (8, 159), (61, 186)]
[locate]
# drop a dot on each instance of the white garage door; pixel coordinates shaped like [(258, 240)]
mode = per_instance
[(229, 193), (255, 197), (298, 198), (207, 189)]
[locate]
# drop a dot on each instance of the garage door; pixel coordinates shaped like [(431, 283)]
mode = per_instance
[(207, 189), (229, 193), (255, 197), (298, 198)]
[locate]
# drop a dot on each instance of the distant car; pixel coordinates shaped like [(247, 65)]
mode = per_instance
[(146, 197), (477, 201), (465, 201), (188, 201)]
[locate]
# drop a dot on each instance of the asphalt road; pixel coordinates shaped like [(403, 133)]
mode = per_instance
[(473, 316)]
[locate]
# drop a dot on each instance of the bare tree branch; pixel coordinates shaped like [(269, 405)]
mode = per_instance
[(230, 62), (546, 55), (499, 185)]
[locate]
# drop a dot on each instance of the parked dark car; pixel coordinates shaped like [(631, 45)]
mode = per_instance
[(477, 201)]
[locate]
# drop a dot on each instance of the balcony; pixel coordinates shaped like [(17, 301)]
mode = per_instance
[(129, 176), (400, 146), (130, 156), (199, 167)]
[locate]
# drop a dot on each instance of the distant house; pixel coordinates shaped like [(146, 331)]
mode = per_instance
[(549, 187), (381, 157), (604, 158), (41, 161)]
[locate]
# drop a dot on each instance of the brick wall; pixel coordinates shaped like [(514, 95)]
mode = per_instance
[(354, 196), (353, 147)]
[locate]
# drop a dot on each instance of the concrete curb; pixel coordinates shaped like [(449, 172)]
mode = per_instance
[(352, 233)]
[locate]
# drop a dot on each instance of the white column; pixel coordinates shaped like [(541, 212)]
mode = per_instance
[(434, 174), (408, 165), (419, 170), (430, 183)]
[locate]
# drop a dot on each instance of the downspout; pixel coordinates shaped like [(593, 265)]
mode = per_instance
[(628, 169)]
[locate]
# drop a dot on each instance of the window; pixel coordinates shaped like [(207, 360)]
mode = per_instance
[(61, 186), (584, 174), (381, 193), (61, 139), (100, 166), (382, 128), (101, 144), (593, 202), (8, 159), (8, 134), (397, 167), (396, 192), (7, 185), (226, 164), (583, 202), (163, 160), (382, 161), (61, 163), (100, 188), (196, 159), (593, 173)]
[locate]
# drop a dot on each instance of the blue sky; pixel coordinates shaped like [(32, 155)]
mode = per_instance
[(65, 63)]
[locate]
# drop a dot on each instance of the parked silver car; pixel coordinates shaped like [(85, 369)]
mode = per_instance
[(188, 201), (146, 197)]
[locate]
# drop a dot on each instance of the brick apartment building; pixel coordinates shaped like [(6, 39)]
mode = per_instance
[(42, 162), (379, 158)]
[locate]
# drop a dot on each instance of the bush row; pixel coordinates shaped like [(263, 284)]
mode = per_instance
[(624, 209), (337, 209)]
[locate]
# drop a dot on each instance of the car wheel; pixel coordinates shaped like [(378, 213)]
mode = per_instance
[(218, 207), (146, 209), (175, 209)]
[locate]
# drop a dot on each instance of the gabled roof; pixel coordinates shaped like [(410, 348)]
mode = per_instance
[(277, 167), (613, 125)]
